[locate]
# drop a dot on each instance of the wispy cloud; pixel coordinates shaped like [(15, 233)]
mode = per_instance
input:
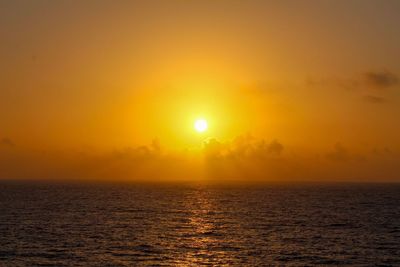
[(7, 142), (374, 99), (373, 86), (380, 79)]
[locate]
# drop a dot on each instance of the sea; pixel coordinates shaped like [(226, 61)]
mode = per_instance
[(61, 224)]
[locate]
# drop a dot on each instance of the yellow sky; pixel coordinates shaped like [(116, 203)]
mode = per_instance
[(100, 76)]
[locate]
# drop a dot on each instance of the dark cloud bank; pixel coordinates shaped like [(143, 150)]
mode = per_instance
[(245, 159)]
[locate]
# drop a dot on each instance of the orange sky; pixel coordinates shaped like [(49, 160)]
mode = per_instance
[(292, 90)]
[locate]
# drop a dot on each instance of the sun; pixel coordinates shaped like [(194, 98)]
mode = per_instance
[(200, 125)]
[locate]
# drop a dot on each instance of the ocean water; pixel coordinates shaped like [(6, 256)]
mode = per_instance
[(194, 225)]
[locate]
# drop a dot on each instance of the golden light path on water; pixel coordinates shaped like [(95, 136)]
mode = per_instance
[(202, 228), (203, 237)]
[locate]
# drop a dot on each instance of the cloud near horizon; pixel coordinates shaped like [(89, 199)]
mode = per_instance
[(245, 159)]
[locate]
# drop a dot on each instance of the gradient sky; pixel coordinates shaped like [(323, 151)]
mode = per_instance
[(292, 90)]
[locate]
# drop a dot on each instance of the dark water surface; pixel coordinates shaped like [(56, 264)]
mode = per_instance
[(138, 225)]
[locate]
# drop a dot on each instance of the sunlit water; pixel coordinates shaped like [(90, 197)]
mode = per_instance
[(137, 225)]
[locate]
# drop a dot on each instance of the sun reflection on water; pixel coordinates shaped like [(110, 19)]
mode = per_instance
[(201, 237)]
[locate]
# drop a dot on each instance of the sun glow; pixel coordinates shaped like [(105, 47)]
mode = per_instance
[(201, 125)]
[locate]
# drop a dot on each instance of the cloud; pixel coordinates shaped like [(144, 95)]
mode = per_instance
[(380, 79), (385, 151), (368, 80), (374, 99), (7, 142), (213, 148), (275, 147), (339, 154), (244, 159), (371, 85), (348, 84), (342, 154), (244, 146)]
